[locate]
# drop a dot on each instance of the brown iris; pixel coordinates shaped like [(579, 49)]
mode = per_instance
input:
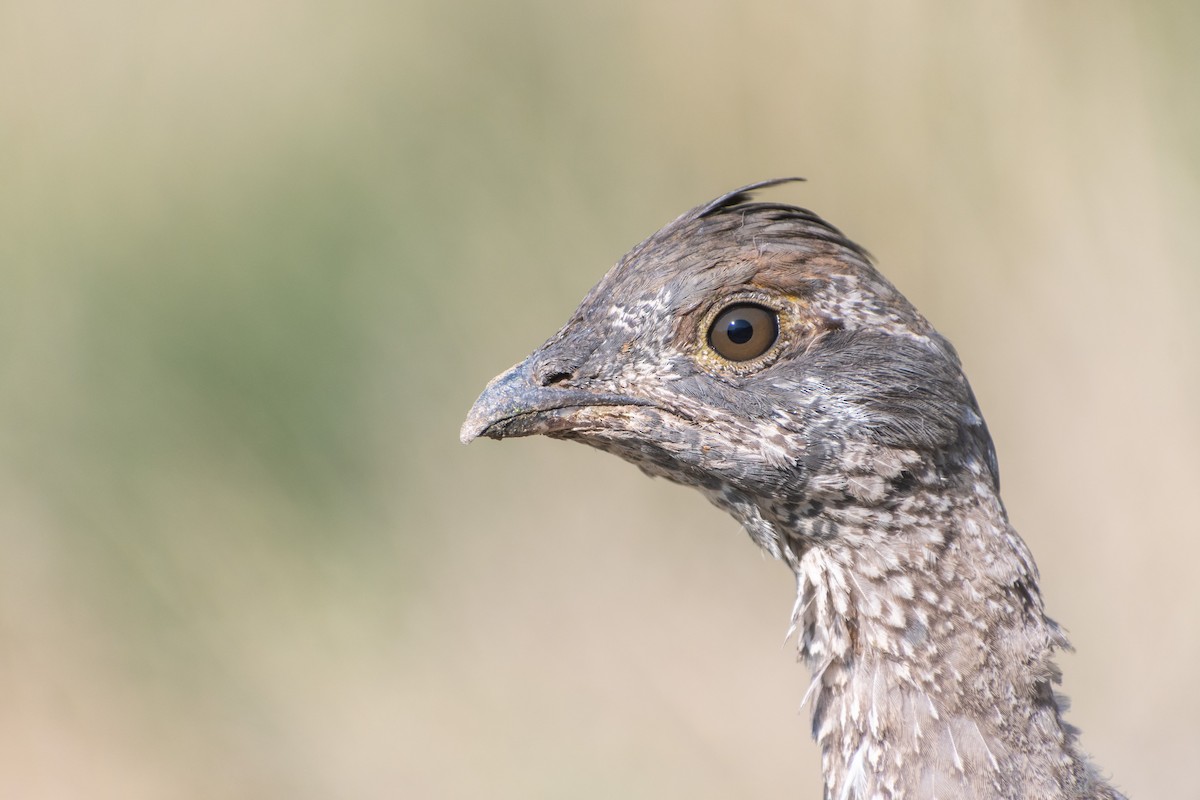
[(743, 331)]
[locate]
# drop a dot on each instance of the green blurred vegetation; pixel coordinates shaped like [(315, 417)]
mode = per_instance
[(256, 260)]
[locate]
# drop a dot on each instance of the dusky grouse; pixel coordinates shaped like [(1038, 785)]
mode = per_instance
[(751, 350)]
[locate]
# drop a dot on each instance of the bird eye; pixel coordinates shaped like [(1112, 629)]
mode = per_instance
[(743, 331)]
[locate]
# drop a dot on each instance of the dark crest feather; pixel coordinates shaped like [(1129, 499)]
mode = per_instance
[(739, 196), (740, 200)]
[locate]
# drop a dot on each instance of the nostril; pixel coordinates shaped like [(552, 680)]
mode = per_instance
[(554, 371)]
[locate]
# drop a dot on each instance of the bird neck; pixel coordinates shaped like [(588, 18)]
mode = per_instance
[(923, 624)]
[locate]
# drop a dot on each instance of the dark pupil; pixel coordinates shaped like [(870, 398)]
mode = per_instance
[(740, 331)]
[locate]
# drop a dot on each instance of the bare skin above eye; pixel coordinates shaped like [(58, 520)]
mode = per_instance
[(751, 350)]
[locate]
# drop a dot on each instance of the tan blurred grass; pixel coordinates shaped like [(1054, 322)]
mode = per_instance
[(257, 259)]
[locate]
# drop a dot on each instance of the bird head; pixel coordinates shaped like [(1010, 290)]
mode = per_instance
[(753, 351)]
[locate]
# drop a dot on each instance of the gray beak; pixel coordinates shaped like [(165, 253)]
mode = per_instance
[(518, 403)]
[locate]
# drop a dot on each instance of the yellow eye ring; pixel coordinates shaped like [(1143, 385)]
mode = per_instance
[(743, 331)]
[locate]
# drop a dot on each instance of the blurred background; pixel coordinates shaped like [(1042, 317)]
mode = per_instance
[(258, 258)]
